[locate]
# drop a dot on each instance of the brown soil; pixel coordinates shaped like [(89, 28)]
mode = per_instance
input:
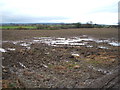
[(45, 66)]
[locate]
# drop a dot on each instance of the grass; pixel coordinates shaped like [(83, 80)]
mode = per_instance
[(17, 27)]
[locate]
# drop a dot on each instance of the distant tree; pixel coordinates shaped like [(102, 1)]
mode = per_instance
[(89, 24), (78, 25)]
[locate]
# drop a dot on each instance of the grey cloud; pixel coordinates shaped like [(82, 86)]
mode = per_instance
[(11, 18)]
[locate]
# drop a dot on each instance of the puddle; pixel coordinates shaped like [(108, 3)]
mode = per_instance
[(77, 44), (16, 42), (101, 41), (42, 37), (89, 46), (103, 47), (11, 49), (60, 38), (74, 41), (25, 44), (2, 50), (76, 55), (69, 41), (36, 40), (28, 48), (114, 43)]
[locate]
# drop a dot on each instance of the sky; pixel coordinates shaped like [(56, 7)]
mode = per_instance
[(59, 11)]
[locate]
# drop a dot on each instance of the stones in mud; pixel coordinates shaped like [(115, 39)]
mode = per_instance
[(45, 66), (23, 51), (38, 76), (71, 57), (53, 50), (76, 55), (47, 53), (66, 47), (5, 73), (4, 70), (91, 56), (10, 84), (23, 66), (76, 67), (60, 67), (28, 73), (2, 66), (112, 56)]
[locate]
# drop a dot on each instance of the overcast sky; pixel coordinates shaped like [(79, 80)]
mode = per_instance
[(57, 11)]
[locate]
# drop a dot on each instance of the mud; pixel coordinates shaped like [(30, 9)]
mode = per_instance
[(59, 62)]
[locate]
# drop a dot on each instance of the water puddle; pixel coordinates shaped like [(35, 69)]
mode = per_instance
[(73, 41), (2, 50), (101, 41), (16, 42), (103, 47), (114, 43), (11, 49), (83, 40), (89, 46), (75, 55), (25, 44)]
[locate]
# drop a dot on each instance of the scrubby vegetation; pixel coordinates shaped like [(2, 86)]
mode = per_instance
[(54, 26)]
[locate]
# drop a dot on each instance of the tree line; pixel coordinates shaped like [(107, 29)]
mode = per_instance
[(55, 26)]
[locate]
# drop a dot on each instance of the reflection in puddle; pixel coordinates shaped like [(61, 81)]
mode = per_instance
[(76, 55), (28, 48), (25, 44), (114, 44), (74, 41), (89, 46), (11, 49), (60, 38), (101, 41), (103, 47), (2, 50), (61, 41), (16, 42)]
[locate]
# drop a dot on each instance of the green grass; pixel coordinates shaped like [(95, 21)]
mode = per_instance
[(17, 27)]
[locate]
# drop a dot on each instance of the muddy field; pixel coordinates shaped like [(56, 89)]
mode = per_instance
[(69, 58)]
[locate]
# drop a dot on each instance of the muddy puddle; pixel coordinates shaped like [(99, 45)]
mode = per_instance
[(71, 41), (65, 62), (2, 50)]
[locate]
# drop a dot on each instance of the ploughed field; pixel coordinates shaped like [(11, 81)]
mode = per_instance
[(69, 58)]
